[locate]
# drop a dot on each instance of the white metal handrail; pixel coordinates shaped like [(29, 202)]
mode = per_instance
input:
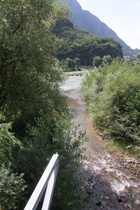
[(47, 182)]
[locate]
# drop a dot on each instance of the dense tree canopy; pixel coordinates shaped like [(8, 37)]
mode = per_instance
[(29, 75), (81, 44)]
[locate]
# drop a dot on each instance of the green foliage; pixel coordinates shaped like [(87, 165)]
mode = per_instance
[(131, 52), (138, 55), (70, 64), (12, 189), (30, 77), (7, 142), (107, 59), (112, 93), (29, 74), (77, 62), (97, 61), (12, 185), (44, 139), (81, 44)]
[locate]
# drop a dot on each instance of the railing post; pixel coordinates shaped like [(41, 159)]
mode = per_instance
[(50, 189), (47, 181)]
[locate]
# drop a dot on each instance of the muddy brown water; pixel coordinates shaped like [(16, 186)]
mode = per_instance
[(106, 181)]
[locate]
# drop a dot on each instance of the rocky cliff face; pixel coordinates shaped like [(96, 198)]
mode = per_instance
[(85, 20)]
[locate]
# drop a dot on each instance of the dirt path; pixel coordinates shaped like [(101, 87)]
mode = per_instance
[(111, 181)]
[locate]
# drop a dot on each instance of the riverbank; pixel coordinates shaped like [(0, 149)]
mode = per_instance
[(111, 180), (81, 72)]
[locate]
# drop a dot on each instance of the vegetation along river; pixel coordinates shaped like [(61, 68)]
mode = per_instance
[(111, 180)]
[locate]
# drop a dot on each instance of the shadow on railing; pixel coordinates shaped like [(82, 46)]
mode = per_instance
[(47, 182)]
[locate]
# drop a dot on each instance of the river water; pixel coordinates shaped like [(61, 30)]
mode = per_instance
[(110, 183)]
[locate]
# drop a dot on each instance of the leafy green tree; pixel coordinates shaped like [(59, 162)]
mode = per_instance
[(29, 74), (81, 44), (70, 64), (138, 55), (97, 61), (30, 77), (30, 97), (129, 61), (107, 59), (77, 62)]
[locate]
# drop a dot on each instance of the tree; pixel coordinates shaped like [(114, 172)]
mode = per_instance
[(77, 62), (138, 55), (97, 61), (70, 64), (30, 96), (107, 59), (29, 74), (85, 46)]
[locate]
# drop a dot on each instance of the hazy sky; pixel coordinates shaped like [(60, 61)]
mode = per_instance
[(122, 16)]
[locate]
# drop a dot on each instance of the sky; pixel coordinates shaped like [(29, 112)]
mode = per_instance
[(122, 16)]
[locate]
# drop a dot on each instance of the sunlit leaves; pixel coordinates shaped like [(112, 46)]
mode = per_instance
[(7, 142), (28, 73), (112, 93), (12, 189)]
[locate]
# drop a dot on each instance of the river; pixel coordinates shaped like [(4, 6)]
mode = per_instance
[(109, 181)]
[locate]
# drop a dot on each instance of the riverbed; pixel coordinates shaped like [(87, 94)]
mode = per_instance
[(109, 183)]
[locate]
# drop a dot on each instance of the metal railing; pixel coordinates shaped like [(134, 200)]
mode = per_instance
[(47, 182)]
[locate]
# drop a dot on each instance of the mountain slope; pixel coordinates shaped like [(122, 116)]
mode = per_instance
[(78, 43), (85, 20)]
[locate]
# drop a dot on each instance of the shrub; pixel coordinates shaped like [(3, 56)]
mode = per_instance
[(12, 189), (7, 143), (47, 137), (113, 95)]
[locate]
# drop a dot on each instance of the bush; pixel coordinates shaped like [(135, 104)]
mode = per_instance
[(12, 185), (113, 95), (7, 143), (47, 137), (12, 189)]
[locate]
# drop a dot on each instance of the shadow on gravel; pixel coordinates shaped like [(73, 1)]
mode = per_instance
[(101, 195)]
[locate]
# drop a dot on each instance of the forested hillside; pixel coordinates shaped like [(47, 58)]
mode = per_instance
[(85, 20), (81, 44)]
